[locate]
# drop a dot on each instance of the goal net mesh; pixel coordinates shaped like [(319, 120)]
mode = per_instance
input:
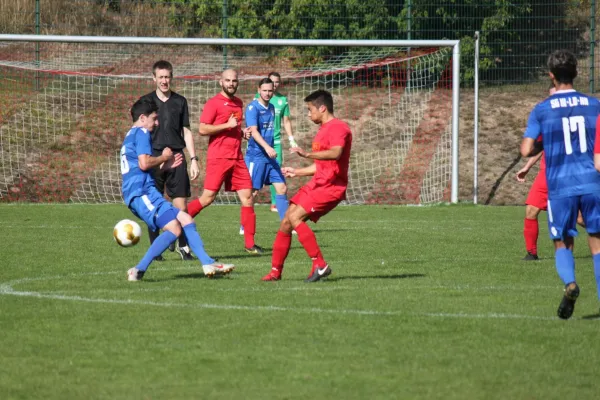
[(65, 110)]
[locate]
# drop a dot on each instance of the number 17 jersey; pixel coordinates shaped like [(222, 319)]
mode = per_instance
[(566, 124)]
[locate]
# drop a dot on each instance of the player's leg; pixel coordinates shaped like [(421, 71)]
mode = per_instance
[(562, 220), (241, 183), (312, 204), (283, 242), (281, 199), (248, 221), (537, 200), (157, 213), (178, 189), (590, 214), (216, 172), (209, 266), (531, 232), (277, 180), (257, 176), (159, 181), (279, 150)]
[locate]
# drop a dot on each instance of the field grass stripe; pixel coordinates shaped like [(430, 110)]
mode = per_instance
[(6, 289)]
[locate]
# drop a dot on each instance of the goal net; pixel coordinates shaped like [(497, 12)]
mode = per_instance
[(65, 111)]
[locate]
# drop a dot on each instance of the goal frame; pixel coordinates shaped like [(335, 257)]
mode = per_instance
[(454, 44)]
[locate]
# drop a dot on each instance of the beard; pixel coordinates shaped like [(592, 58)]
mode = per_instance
[(230, 91)]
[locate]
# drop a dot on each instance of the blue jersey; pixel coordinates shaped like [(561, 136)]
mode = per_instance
[(136, 181), (566, 124), (263, 117)]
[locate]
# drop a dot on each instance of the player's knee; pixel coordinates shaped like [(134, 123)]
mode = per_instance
[(286, 225), (184, 218), (281, 189), (531, 212), (206, 199), (174, 227)]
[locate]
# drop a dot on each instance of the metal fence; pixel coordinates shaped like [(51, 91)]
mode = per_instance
[(516, 37)]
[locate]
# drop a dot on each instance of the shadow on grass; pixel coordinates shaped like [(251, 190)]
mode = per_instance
[(591, 316), (395, 276)]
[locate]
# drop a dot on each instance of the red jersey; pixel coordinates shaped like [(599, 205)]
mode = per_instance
[(228, 143), (333, 173)]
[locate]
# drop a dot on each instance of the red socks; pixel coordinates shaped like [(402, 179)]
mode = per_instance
[(248, 219), (308, 240), (530, 232), (281, 248), (194, 207)]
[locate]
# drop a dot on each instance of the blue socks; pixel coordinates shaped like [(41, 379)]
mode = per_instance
[(195, 242), (596, 258), (565, 265), (159, 245), (282, 204)]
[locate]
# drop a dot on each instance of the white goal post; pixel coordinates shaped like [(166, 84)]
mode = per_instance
[(389, 91)]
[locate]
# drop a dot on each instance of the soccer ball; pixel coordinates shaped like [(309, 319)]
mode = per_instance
[(127, 233)]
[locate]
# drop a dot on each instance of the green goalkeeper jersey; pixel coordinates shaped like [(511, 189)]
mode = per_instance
[(282, 109)]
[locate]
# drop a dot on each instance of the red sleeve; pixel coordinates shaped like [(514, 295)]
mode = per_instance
[(597, 141), (209, 113), (339, 135)]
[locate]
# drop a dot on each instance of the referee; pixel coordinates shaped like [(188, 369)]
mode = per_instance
[(173, 131)]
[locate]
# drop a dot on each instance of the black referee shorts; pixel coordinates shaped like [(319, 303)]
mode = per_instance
[(175, 181)]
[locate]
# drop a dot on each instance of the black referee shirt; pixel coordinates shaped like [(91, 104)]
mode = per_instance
[(173, 116)]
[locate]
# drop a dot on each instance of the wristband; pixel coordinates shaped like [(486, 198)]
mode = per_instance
[(292, 141), (194, 158)]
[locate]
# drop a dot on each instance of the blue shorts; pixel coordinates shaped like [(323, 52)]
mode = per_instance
[(562, 215), (264, 173), (150, 207)]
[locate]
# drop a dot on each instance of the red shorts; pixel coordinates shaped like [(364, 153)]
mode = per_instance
[(317, 201), (233, 172), (538, 194)]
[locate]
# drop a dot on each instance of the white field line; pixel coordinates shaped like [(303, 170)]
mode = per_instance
[(7, 289)]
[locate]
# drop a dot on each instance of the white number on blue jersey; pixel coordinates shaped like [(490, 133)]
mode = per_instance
[(574, 124), (124, 163)]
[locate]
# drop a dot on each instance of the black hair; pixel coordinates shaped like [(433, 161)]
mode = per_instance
[(563, 65), (273, 73), (143, 106), (162, 64), (263, 81), (321, 98)]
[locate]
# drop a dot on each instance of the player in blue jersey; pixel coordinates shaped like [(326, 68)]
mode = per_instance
[(146, 202), (261, 157), (564, 127)]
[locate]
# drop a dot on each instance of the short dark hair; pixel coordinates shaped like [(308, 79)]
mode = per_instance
[(263, 81), (320, 98), (273, 73), (162, 64), (143, 106), (563, 65)]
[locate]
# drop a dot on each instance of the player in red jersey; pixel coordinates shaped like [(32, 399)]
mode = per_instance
[(221, 121), (331, 155)]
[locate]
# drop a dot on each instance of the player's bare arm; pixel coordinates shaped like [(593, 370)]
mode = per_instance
[(530, 147), (290, 172), (167, 158), (333, 153), (525, 170), (208, 129), (287, 126), (261, 142), (189, 145)]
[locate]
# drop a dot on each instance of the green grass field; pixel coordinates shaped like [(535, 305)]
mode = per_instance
[(424, 303)]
